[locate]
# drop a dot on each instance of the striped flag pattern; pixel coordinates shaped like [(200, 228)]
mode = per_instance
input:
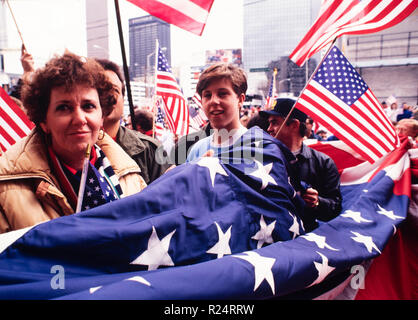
[(159, 122), (190, 15), (198, 100), (350, 17), (338, 98), (14, 124), (175, 105), (272, 92), (196, 112)]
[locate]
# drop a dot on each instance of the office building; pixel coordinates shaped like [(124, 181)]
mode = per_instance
[(272, 29), (143, 32)]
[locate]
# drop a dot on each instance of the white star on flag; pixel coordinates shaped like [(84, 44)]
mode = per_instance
[(263, 173), (388, 214), (157, 252), (94, 289), (140, 280), (366, 240), (264, 234), (294, 228), (319, 240), (8, 238), (323, 269), (221, 248), (262, 268), (212, 163), (355, 215)]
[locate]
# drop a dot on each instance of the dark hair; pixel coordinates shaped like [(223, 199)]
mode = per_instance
[(65, 71), (111, 66), (309, 120), (302, 128), (144, 119), (257, 120), (223, 70), (302, 125)]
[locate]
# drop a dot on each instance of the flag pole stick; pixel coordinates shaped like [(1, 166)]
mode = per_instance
[(154, 98), (310, 78), (153, 115), (14, 19), (125, 66), (83, 179)]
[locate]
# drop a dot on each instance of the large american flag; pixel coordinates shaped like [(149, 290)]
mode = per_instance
[(190, 15), (14, 124), (213, 229), (175, 105), (350, 17), (338, 98)]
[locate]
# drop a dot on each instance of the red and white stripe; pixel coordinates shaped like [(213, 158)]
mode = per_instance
[(190, 15), (198, 100), (14, 124), (350, 17), (175, 105), (200, 119), (363, 126)]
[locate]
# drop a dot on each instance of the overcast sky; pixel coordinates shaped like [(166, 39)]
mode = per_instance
[(50, 26)]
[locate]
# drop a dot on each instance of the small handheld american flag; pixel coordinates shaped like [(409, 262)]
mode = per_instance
[(14, 124), (338, 98), (175, 105)]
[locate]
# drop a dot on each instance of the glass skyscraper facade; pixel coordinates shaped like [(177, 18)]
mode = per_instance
[(143, 31), (272, 29)]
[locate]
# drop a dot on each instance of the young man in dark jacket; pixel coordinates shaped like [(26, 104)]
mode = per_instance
[(140, 147), (317, 173)]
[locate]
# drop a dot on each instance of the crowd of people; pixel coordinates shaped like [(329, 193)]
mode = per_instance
[(76, 104)]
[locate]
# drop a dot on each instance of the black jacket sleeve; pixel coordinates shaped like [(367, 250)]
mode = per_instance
[(321, 173)]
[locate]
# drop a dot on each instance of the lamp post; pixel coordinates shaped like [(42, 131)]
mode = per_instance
[(287, 79), (106, 52), (147, 69)]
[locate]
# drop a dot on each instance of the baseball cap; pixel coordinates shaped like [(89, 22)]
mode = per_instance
[(281, 107)]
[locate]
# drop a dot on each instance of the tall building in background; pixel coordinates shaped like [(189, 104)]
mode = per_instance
[(272, 29), (97, 29), (143, 31)]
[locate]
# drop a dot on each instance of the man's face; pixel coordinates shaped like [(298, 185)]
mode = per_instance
[(275, 123), (117, 112)]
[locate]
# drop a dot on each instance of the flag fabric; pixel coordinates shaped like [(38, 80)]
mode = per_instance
[(159, 121), (14, 123), (338, 98), (101, 186), (197, 115), (197, 100), (272, 92), (350, 17), (213, 229), (190, 15), (393, 274), (175, 105)]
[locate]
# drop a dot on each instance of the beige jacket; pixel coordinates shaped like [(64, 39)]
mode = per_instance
[(29, 191)]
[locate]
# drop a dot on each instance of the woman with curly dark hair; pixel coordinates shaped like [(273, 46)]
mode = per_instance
[(40, 176)]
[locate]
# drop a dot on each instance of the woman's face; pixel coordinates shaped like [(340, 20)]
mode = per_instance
[(222, 105), (73, 120)]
